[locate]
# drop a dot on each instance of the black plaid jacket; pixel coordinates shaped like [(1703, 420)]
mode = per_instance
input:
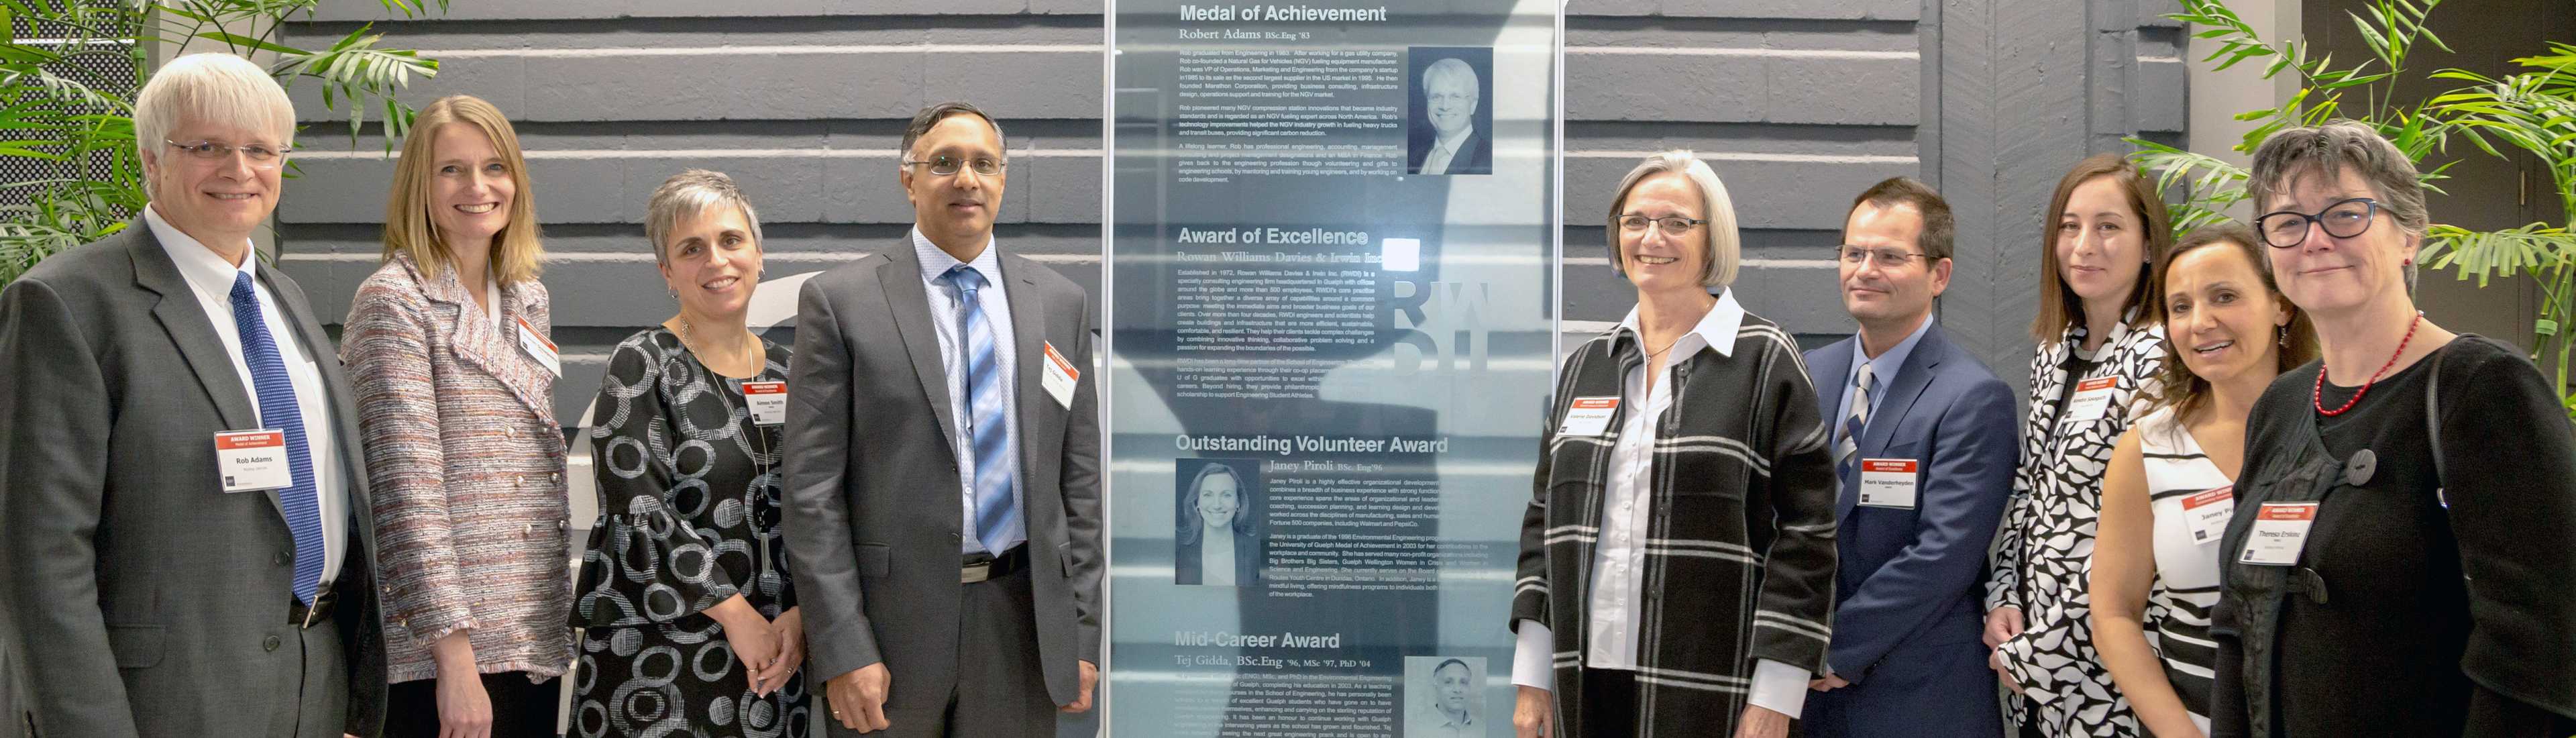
[(1739, 560)]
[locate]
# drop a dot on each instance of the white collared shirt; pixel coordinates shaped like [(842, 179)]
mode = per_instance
[(996, 305), (211, 278), (1618, 560)]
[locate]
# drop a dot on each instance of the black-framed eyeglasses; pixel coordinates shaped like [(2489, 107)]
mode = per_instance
[(262, 156), (2344, 219), (1885, 258), (1671, 225), (946, 165)]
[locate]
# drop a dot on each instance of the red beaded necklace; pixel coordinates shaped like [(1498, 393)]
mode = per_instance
[(2317, 396)]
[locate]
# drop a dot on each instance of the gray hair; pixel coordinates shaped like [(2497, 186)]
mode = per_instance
[(2328, 150), (1725, 247), (215, 88), (692, 193), (1450, 67), (930, 117)]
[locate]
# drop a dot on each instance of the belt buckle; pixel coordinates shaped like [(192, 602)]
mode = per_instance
[(977, 570)]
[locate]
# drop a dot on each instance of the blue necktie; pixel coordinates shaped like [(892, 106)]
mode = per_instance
[(996, 514), (279, 411), (1847, 452)]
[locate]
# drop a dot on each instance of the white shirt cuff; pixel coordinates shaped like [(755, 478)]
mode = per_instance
[(1534, 658), (1777, 687)]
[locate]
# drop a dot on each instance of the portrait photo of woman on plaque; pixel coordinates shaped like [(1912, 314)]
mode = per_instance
[(1217, 522)]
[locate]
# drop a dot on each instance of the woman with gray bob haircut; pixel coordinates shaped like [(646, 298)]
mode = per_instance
[(2405, 520), (687, 559), (1691, 425)]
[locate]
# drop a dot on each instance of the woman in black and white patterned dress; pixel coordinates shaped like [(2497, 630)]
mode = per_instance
[(692, 625), (2167, 497), (2099, 346)]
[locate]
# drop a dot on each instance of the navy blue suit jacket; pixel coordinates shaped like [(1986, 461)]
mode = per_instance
[(1907, 616)]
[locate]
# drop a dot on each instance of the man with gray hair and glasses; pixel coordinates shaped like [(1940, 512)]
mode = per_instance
[(187, 514), (1449, 97)]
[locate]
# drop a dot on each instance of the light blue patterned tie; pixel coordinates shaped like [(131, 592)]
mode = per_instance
[(279, 411), (996, 513)]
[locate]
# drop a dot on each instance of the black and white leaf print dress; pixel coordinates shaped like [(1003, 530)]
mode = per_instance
[(689, 507), (2046, 548)]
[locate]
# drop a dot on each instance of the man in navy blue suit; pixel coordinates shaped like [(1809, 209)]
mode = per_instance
[(1924, 440)]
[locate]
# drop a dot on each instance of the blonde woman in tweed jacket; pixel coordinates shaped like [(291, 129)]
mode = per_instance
[(447, 344), (1677, 557)]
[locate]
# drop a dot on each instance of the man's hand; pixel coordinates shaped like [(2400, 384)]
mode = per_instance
[(858, 698), (1090, 678), (1534, 713), (1828, 684), (1761, 722)]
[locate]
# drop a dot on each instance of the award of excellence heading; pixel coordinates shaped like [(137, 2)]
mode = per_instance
[(1259, 12), (1274, 236), (1312, 444)]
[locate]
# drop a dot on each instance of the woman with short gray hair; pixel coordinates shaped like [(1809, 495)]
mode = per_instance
[(692, 624), (2405, 522), (1677, 556)]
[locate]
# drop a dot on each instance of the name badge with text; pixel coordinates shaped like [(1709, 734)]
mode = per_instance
[(2206, 514), (768, 401), (539, 348), (1588, 416), (252, 460), (2280, 530), (2092, 400), (1060, 375), (1888, 482)]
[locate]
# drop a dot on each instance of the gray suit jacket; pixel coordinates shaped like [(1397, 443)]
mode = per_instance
[(147, 601), (873, 524)]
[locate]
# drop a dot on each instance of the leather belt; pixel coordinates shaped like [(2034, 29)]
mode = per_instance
[(981, 566), (300, 616)]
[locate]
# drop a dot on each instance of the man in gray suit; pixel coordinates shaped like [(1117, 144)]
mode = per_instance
[(186, 520), (943, 465)]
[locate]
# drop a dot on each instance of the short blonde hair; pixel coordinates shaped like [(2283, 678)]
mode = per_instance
[(517, 255), (212, 87), (690, 194), (1725, 247)]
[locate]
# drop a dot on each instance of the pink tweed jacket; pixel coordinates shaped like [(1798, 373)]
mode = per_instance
[(466, 462)]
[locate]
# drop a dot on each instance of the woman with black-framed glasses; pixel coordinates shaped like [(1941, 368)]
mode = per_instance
[(2405, 525)]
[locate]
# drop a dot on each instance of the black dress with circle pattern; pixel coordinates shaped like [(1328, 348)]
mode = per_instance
[(689, 516)]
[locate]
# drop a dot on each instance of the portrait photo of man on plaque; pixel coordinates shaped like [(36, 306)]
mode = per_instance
[(1217, 522), (1441, 697), (1451, 130)]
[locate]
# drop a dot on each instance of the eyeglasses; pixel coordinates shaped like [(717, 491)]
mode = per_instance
[(1670, 225), (262, 156), (947, 165), (1886, 258), (2346, 219)]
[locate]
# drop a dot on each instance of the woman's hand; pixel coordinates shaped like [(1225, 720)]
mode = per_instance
[(752, 641), (2002, 624), (789, 632), (1533, 713), (464, 709)]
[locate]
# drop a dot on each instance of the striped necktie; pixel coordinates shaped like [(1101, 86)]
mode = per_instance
[(1847, 450), (279, 411), (997, 515)]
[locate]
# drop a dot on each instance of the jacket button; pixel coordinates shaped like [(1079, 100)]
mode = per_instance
[(563, 525), (282, 558), (510, 433), (271, 644), (555, 477)]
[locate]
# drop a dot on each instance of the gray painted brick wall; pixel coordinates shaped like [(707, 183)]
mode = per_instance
[(1797, 104)]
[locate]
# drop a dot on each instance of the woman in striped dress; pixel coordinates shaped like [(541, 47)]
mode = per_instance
[(2169, 490)]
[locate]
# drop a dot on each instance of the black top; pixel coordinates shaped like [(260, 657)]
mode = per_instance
[(2404, 643)]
